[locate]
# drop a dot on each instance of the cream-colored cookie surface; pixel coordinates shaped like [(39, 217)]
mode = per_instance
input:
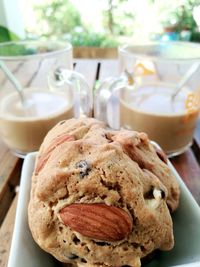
[(101, 197)]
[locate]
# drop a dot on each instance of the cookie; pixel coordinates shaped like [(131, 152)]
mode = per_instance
[(101, 197)]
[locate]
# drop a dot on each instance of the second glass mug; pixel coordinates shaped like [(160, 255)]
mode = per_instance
[(50, 92), (158, 92)]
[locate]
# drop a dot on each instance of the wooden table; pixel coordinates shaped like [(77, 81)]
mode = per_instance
[(187, 165)]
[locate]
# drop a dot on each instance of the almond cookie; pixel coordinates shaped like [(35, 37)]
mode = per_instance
[(101, 197)]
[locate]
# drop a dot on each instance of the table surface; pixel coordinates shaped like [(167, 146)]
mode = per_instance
[(187, 164)]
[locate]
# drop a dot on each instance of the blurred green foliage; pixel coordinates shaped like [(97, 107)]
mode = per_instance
[(57, 17), (195, 37), (63, 20), (6, 35), (182, 19), (86, 38), (12, 50), (117, 19), (186, 20)]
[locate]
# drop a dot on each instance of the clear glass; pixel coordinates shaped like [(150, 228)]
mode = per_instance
[(51, 91), (157, 92)]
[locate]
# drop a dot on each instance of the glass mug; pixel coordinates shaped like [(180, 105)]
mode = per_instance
[(158, 92), (44, 91)]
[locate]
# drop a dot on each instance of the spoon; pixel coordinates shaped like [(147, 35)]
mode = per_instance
[(185, 79), (13, 80)]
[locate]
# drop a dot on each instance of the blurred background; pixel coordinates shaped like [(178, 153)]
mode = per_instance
[(100, 23)]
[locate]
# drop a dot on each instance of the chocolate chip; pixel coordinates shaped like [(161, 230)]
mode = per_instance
[(82, 164), (149, 194), (84, 167), (76, 240), (108, 136), (62, 122), (83, 260), (102, 244), (163, 195), (72, 256), (147, 259)]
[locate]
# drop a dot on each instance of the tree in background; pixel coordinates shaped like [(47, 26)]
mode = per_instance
[(183, 15), (179, 17), (117, 19), (123, 21), (61, 19), (185, 19), (57, 17)]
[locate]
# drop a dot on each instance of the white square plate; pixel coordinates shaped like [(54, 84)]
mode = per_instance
[(25, 252)]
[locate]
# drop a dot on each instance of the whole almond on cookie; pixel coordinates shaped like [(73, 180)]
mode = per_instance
[(97, 221)]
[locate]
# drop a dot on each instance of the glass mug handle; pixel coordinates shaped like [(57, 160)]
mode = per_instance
[(106, 100), (82, 95)]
